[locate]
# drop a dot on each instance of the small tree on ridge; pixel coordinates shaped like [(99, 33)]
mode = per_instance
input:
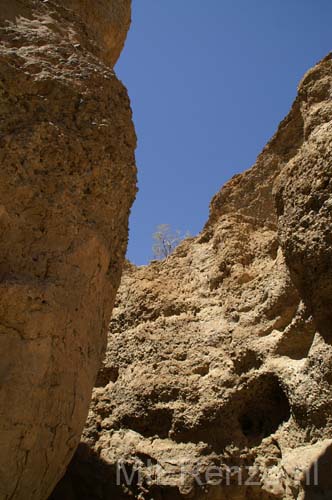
[(165, 240)]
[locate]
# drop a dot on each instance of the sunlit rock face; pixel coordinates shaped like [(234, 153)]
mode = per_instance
[(220, 356), (67, 181)]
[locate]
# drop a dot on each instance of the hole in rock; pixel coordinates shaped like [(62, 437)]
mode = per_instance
[(246, 361), (266, 407), (106, 375), (154, 422), (251, 413)]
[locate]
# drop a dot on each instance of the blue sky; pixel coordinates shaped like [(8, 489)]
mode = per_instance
[(209, 82)]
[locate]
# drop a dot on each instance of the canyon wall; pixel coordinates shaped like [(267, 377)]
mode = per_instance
[(219, 358), (67, 181)]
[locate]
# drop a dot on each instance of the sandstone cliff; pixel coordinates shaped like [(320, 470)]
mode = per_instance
[(67, 181), (221, 355)]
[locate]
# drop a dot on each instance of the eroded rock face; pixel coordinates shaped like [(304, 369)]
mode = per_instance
[(219, 356), (67, 181), (304, 195)]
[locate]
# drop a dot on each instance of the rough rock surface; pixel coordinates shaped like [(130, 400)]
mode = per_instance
[(221, 355), (67, 181)]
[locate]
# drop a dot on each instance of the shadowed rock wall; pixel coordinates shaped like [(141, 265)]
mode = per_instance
[(67, 181)]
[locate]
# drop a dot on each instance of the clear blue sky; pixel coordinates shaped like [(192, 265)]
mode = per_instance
[(209, 82)]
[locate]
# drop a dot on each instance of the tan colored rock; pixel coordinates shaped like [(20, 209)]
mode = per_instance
[(304, 195), (219, 358), (67, 181), (107, 23)]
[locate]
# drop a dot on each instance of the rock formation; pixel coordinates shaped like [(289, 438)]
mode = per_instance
[(217, 378), (67, 181)]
